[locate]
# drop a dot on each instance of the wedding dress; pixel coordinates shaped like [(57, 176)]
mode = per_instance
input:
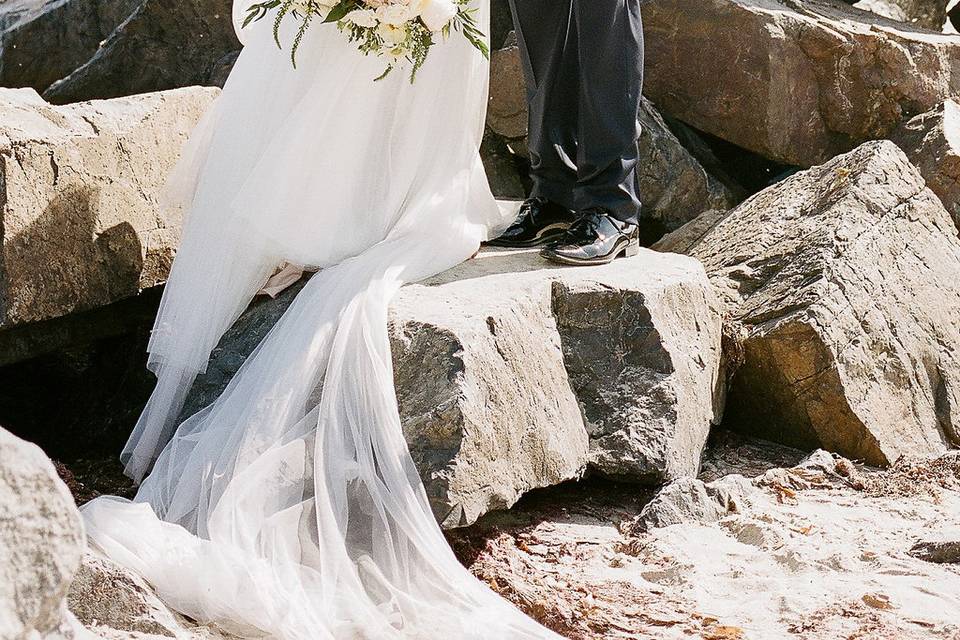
[(290, 508)]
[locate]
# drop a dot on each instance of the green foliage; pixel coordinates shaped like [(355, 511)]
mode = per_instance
[(415, 48), (466, 22), (307, 17), (281, 13), (340, 11)]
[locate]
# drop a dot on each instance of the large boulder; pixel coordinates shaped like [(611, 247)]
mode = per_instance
[(673, 184), (795, 81), (59, 37), (41, 543), (932, 142), (846, 278), (487, 407), (80, 222), (162, 45), (513, 375)]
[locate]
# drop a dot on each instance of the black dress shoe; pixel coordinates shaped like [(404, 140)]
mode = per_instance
[(540, 222), (595, 238)]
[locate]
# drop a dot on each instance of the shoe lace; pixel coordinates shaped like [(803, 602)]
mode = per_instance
[(588, 222), (530, 208)]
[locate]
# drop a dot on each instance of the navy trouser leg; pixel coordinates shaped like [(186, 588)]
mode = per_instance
[(583, 61), (547, 39), (611, 82)]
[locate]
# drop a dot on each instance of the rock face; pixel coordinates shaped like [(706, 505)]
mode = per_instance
[(507, 110), (14, 12), (41, 543), (929, 14), (57, 39), (113, 602), (674, 186), (162, 45), (845, 279), (486, 403), (795, 81), (80, 222), (642, 351), (687, 236), (501, 168), (221, 69), (932, 142), (513, 375)]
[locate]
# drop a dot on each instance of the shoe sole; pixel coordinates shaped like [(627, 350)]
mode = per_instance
[(543, 238), (630, 250)]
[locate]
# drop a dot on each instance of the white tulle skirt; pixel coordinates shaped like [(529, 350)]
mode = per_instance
[(290, 508)]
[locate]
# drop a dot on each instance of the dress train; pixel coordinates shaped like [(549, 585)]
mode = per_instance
[(290, 508)]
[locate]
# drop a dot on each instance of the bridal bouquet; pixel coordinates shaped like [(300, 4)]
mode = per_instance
[(401, 31)]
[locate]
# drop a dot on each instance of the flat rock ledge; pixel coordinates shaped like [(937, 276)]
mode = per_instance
[(513, 374), (844, 279), (80, 224)]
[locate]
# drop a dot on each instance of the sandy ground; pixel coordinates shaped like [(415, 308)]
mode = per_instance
[(815, 550), (813, 553)]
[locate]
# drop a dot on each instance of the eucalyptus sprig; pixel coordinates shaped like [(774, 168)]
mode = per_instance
[(465, 22)]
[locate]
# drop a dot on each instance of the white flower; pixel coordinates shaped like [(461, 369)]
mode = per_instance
[(366, 18), (436, 14), (394, 14), (392, 34)]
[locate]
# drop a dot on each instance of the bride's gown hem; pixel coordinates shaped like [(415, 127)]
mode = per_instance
[(290, 508)]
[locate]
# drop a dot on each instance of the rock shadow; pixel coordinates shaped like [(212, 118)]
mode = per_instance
[(64, 263)]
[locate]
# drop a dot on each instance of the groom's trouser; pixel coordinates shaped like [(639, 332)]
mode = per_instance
[(583, 61)]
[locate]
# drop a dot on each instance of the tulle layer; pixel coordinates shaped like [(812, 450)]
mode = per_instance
[(293, 511), (309, 165), (290, 508)]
